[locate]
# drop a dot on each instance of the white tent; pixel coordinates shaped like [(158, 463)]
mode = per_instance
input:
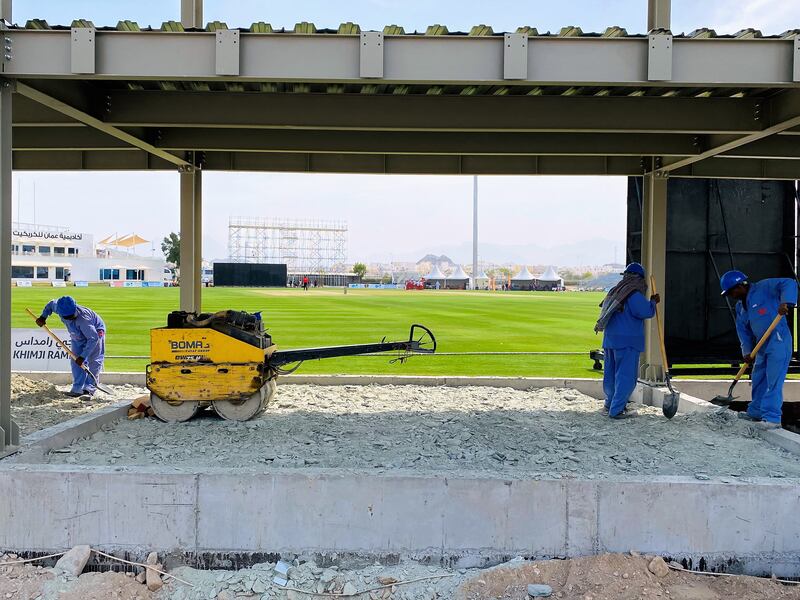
[(435, 273), (549, 275), (523, 275), (458, 274)]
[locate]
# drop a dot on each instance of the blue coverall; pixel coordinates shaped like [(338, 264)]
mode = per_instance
[(87, 332), (753, 318), (623, 341)]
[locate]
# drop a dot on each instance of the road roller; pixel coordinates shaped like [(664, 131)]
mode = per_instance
[(229, 361)]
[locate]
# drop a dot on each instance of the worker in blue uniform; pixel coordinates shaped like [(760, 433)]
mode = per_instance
[(624, 310), (87, 332), (758, 304)]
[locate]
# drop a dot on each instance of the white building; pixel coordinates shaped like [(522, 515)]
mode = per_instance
[(46, 253)]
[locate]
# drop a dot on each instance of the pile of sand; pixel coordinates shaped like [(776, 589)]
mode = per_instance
[(27, 392)]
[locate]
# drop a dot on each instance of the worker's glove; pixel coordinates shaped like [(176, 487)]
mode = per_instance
[(79, 361), (655, 298), (784, 309), (749, 359), (41, 321)]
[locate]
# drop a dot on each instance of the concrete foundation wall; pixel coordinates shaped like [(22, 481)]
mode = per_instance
[(473, 520)]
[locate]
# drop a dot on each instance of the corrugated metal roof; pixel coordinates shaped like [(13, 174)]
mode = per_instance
[(349, 28)]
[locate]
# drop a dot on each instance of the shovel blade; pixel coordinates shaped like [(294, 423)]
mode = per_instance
[(670, 404), (722, 400)]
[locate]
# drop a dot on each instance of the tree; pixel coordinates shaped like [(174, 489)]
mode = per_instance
[(360, 269), (171, 247)]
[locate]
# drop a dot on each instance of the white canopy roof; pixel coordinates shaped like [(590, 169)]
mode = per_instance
[(523, 275), (549, 275), (458, 273), (483, 275), (435, 273)]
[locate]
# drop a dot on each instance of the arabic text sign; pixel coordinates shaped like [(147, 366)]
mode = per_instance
[(34, 350)]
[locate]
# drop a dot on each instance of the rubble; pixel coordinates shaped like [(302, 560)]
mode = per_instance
[(37, 404), (74, 561), (444, 431)]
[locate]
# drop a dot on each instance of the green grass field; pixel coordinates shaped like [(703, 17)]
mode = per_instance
[(461, 321)]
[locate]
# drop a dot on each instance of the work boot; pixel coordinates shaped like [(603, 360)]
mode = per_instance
[(768, 425), (72, 394), (746, 417), (625, 414), (604, 410), (85, 397)]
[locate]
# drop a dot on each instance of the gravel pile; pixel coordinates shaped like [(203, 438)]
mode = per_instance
[(259, 582), (38, 404), (464, 431)]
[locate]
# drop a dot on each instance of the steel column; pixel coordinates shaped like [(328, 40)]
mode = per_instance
[(5, 11), (192, 14), (654, 259), (191, 240), (9, 433), (658, 14), (474, 232)]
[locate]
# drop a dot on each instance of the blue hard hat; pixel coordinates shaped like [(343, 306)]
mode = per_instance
[(635, 268), (66, 306), (730, 280)]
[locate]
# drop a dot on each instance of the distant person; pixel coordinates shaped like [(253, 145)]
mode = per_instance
[(438, 285), (87, 332), (623, 313), (758, 304), (305, 283)]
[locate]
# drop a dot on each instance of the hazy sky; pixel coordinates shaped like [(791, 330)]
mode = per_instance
[(390, 217)]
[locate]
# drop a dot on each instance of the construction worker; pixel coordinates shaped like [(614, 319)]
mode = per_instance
[(757, 305), (87, 332), (622, 316)]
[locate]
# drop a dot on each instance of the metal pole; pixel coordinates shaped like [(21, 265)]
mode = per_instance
[(198, 240), (5, 11), (192, 13), (9, 433), (475, 232), (189, 265), (658, 14), (654, 259)]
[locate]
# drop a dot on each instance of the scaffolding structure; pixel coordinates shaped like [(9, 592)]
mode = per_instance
[(304, 246)]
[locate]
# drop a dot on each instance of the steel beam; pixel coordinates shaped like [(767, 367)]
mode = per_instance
[(434, 113), (191, 186), (192, 14), (410, 59), (783, 114), (87, 119), (134, 159), (654, 259), (474, 231), (365, 142), (9, 432)]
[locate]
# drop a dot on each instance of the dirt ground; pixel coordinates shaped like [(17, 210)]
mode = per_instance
[(450, 431), (604, 577), (39, 404), (615, 577)]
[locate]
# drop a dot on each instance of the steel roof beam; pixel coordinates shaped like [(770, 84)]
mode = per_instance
[(364, 142), (434, 113), (408, 59), (783, 113), (135, 159), (87, 119)]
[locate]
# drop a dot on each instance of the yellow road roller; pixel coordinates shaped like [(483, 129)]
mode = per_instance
[(228, 360)]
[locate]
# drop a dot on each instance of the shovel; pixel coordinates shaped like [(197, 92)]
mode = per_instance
[(669, 406), (66, 349), (726, 400)]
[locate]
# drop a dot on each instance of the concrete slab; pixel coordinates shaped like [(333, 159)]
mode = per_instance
[(461, 521)]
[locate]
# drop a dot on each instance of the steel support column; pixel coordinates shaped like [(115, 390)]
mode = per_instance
[(474, 232), (654, 259), (191, 240), (658, 14), (192, 13), (9, 433)]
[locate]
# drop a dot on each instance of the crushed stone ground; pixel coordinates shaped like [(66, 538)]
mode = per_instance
[(603, 577), (38, 404), (477, 431)]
